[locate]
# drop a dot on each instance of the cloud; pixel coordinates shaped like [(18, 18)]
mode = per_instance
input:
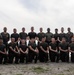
[(38, 13)]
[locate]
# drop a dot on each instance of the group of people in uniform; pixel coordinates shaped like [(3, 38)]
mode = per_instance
[(33, 47)]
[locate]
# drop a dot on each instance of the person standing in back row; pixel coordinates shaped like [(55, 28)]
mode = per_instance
[(5, 36), (56, 36), (49, 36), (15, 35), (62, 34), (41, 34), (69, 35), (32, 34), (23, 34)]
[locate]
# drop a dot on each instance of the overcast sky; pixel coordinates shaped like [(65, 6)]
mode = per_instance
[(37, 13)]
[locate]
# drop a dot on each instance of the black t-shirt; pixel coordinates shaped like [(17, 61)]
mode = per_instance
[(2, 47), (64, 46), (5, 37), (44, 45), (48, 36), (62, 35), (41, 35), (71, 46), (23, 47), (23, 35), (56, 36), (13, 45), (32, 35), (33, 45), (53, 45), (15, 35), (69, 36)]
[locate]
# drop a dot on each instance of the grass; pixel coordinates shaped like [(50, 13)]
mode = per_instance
[(39, 70)]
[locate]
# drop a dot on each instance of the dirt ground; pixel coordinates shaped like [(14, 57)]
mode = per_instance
[(38, 69)]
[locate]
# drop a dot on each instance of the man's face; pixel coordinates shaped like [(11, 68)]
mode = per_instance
[(32, 28), (14, 30), (53, 39), (63, 40), (56, 30), (43, 39), (62, 29), (13, 40), (23, 41), (41, 29), (69, 29), (32, 39), (5, 29), (23, 29), (48, 30)]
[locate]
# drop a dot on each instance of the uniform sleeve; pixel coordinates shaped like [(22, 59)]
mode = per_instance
[(8, 36), (72, 34), (20, 35), (26, 34)]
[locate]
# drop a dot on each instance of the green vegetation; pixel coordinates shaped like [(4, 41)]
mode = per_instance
[(39, 70)]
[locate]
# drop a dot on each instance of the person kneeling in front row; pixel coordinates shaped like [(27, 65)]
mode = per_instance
[(13, 52), (33, 51), (54, 55), (23, 51), (3, 53), (44, 49), (64, 52)]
